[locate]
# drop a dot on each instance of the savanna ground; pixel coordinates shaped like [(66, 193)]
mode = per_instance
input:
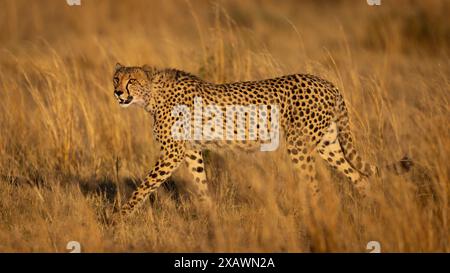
[(69, 153)]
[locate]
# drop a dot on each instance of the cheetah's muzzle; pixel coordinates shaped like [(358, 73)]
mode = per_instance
[(125, 102)]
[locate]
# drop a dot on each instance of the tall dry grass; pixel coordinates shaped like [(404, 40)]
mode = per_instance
[(67, 151)]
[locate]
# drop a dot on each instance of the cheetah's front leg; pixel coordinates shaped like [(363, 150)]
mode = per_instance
[(170, 159), (196, 166)]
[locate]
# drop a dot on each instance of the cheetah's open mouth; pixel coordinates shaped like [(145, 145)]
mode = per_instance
[(125, 102)]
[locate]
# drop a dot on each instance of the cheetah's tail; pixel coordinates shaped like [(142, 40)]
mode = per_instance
[(402, 166), (349, 150)]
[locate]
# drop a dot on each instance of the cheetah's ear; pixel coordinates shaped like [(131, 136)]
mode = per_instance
[(148, 69), (118, 66)]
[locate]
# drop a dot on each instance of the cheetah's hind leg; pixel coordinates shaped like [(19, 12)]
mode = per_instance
[(301, 152)]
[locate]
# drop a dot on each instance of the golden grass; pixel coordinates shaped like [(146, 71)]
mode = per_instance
[(66, 147)]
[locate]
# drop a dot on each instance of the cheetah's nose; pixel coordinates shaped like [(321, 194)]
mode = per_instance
[(118, 92)]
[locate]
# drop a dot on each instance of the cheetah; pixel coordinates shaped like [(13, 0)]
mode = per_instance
[(312, 117)]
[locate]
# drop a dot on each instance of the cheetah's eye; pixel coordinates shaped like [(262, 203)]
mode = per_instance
[(132, 82), (116, 81)]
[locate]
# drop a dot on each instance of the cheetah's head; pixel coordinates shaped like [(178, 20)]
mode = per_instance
[(131, 85)]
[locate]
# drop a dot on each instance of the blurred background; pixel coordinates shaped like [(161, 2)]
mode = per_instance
[(68, 152)]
